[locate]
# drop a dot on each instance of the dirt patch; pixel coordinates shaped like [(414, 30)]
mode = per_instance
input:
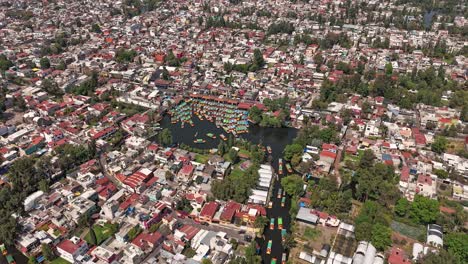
[(311, 239)]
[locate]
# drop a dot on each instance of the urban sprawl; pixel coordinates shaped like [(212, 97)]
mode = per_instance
[(234, 131)]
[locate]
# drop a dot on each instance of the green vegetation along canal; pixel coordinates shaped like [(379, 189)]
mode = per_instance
[(276, 138)]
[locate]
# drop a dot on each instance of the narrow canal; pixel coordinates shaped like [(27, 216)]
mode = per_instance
[(276, 138), (18, 256)]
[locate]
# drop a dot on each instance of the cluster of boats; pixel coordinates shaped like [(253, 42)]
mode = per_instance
[(226, 116), (209, 135), (280, 167), (183, 113), (269, 245), (8, 257)]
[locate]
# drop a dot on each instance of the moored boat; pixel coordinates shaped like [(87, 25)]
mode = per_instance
[(211, 135), (272, 223), (3, 249), (283, 201), (199, 141), (269, 149), (283, 234), (280, 223), (270, 243), (10, 259), (223, 137), (289, 168)]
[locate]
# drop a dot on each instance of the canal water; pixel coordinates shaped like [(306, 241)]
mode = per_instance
[(276, 138), (18, 256)]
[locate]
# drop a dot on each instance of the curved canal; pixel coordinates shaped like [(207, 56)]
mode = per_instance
[(277, 139)]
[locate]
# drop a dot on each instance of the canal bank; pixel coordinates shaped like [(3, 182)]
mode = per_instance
[(276, 138), (16, 254)]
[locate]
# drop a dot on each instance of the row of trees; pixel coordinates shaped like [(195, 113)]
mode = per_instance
[(257, 63), (236, 187), (87, 87)]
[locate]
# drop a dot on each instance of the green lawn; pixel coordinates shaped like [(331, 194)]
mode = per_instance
[(312, 233), (244, 152), (236, 172), (59, 261), (102, 233), (201, 158)]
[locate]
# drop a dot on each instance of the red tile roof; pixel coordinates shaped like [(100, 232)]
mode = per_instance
[(397, 256), (230, 210), (209, 209), (189, 231), (70, 247), (424, 179), (145, 240)]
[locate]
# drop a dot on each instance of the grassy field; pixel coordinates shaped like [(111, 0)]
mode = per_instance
[(102, 232), (59, 261), (312, 233), (201, 158), (236, 172)]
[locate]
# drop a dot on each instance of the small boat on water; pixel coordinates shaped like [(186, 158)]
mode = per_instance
[(283, 258), (273, 261), (280, 223), (283, 234), (280, 166), (289, 168), (196, 134), (272, 223), (280, 193), (269, 149), (283, 201), (3, 249), (268, 251), (10, 259), (223, 137), (199, 141), (211, 135), (270, 204)]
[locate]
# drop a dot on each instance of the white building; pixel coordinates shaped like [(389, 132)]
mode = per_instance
[(71, 249)]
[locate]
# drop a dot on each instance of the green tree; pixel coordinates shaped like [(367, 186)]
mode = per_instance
[(251, 254), (381, 237), (457, 244), (402, 207), (293, 184), (51, 87), (206, 261), (47, 252), (260, 222), (165, 137), (5, 63), (292, 150), (96, 28), (32, 260), (45, 63), (441, 257), (221, 148), (388, 69), (367, 159), (424, 210), (44, 185), (439, 145), (233, 155), (255, 114), (92, 236)]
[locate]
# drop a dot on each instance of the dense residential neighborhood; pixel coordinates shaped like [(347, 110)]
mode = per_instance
[(234, 131)]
